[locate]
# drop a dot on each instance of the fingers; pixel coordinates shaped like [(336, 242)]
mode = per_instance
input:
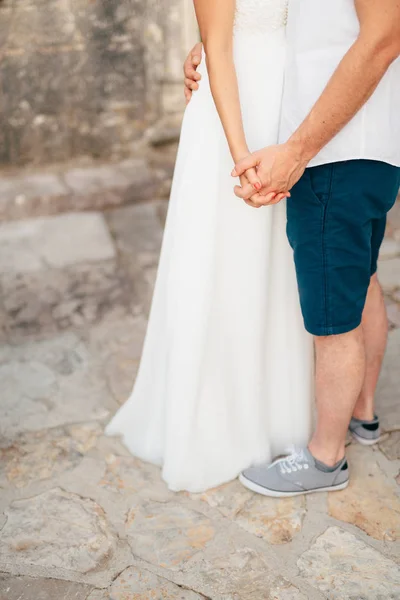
[(192, 62), (250, 162), (197, 51), (188, 95), (245, 192), (258, 200), (191, 85), (281, 196), (252, 177), (274, 198), (190, 72)]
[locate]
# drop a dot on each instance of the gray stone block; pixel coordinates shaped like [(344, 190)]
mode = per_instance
[(26, 187), (389, 385), (342, 567), (57, 529), (56, 381), (60, 241), (144, 585), (389, 274), (30, 588)]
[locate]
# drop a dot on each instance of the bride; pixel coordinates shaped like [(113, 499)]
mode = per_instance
[(226, 374)]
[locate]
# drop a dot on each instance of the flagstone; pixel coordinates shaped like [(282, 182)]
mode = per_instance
[(371, 501), (343, 567), (57, 529)]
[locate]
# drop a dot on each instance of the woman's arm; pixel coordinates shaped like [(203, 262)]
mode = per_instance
[(216, 21), (216, 18)]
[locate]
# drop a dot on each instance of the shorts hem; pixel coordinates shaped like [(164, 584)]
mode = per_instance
[(333, 330)]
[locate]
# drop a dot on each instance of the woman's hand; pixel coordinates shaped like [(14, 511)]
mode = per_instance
[(192, 77), (251, 181)]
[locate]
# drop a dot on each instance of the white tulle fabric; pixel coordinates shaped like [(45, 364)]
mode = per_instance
[(226, 374)]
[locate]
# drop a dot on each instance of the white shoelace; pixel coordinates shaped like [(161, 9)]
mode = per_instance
[(295, 462)]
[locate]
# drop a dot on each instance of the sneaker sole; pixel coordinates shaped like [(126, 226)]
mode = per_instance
[(259, 489), (364, 441)]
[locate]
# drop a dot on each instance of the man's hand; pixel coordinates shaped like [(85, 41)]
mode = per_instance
[(189, 69), (278, 168), (256, 200)]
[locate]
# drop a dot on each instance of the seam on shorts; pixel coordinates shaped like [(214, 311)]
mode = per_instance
[(335, 330), (325, 260)]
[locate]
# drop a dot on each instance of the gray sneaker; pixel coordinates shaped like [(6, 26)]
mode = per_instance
[(294, 475), (367, 433)]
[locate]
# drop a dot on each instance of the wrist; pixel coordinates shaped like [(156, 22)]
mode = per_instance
[(302, 148), (239, 153)]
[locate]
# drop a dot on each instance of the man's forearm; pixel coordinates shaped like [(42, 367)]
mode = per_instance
[(352, 84)]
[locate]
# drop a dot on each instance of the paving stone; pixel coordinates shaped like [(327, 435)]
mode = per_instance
[(98, 595), (93, 179), (230, 498), (370, 502), (134, 584), (59, 241), (57, 529), (389, 385), (29, 588), (344, 568), (229, 569), (285, 591), (389, 274), (44, 454), (56, 381), (390, 446), (167, 535), (277, 521), (25, 187), (126, 474), (162, 212), (393, 313), (118, 342), (394, 219), (138, 233), (131, 180), (53, 300), (390, 249)]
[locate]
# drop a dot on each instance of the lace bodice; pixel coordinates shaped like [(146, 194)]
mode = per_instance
[(260, 15)]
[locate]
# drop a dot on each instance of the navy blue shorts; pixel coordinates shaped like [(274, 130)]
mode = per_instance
[(336, 224)]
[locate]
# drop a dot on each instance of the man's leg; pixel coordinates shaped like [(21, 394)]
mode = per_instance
[(340, 371), (375, 328), (333, 215)]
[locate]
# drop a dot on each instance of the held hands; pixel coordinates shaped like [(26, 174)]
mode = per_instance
[(265, 176), (278, 168)]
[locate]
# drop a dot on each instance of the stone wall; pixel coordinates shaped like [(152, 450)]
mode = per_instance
[(86, 77)]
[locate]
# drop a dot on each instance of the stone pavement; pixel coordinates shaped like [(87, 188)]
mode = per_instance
[(80, 519)]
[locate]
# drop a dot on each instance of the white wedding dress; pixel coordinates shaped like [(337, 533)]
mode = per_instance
[(225, 379)]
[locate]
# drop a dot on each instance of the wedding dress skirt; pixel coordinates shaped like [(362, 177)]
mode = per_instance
[(225, 379)]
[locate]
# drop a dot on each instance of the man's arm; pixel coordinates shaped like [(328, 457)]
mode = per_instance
[(192, 77), (356, 77), (352, 84)]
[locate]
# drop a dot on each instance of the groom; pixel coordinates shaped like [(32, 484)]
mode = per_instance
[(340, 158)]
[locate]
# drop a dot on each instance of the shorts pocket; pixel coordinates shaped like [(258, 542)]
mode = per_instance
[(321, 179)]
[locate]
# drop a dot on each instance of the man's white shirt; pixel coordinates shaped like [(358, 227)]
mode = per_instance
[(319, 33)]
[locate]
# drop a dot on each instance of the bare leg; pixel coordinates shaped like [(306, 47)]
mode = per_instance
[(375, 327), (340, 371)]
